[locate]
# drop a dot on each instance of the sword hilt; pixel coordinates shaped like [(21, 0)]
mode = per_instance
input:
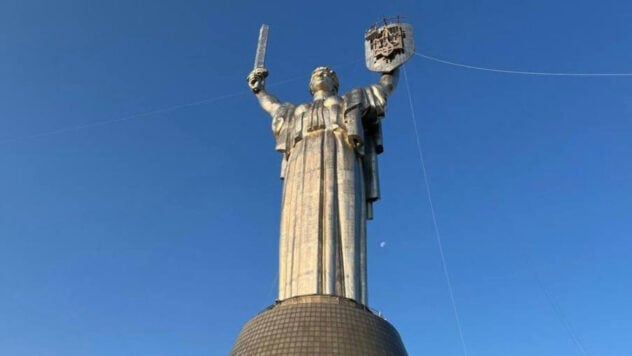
[(256, 79)]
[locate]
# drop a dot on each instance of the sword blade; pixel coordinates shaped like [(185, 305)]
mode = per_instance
[(260, 56)]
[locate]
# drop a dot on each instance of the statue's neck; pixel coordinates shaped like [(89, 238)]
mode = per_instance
[(322, 95)]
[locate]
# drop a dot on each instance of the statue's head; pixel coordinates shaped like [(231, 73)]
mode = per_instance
[(323, 78)]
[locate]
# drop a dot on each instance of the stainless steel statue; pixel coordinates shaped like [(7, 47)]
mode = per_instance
[(329, 167)]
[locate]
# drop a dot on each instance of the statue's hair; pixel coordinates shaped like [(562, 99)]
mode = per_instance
[(329, 71)]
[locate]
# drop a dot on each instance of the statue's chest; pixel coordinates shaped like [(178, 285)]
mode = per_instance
[(322, 114)]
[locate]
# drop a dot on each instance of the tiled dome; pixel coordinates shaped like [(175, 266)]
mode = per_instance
[(318, 325)]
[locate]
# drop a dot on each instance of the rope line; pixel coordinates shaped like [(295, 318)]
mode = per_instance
[(120, 119), (562, 316), (139, 115), (507, 71), (554, 304), (444, 264), (275, 283), (152, 112)]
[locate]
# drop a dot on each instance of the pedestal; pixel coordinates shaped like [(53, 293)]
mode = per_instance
[(318, 325)]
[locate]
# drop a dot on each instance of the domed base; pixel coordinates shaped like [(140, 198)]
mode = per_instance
[(318, 325)]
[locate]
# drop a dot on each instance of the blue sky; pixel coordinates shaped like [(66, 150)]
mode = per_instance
[(157, 234)]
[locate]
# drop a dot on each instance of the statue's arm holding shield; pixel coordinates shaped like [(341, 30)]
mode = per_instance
[(388, 81), (386, 48)]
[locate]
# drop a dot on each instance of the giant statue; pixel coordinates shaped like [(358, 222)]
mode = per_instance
[(329, 150)]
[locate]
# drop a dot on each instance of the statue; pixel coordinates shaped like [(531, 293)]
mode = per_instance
[(329, 168)]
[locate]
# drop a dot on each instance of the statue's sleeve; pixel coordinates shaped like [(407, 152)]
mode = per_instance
[(352, 115), (281, 126), (363, 110), (375, 101), (282, 130), (372, 108)]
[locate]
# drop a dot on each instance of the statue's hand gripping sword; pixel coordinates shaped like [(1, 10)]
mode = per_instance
[(259, 72)]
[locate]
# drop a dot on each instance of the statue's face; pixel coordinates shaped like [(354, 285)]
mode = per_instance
[(322, 79)]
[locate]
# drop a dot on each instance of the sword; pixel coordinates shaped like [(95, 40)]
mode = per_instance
[(260, 57), (259, 69)]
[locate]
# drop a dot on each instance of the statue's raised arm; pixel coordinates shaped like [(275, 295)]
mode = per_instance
[(388, 81), (256, 78)]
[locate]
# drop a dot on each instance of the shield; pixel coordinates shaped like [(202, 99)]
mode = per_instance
[(388, 47)]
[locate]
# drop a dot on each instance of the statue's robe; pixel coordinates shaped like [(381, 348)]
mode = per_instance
[(329, 169)]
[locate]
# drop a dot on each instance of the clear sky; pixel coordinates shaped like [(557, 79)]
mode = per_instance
[(157, 234)]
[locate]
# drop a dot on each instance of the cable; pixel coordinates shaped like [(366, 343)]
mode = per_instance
[(139, 115), (561, 315), (120, 119), (506, 71), (434, 215), (275, 283), (149, 113)]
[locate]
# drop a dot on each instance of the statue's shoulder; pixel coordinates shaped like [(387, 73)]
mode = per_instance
[(354, 92), (301, 108), (284, 110), (354, 97)]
